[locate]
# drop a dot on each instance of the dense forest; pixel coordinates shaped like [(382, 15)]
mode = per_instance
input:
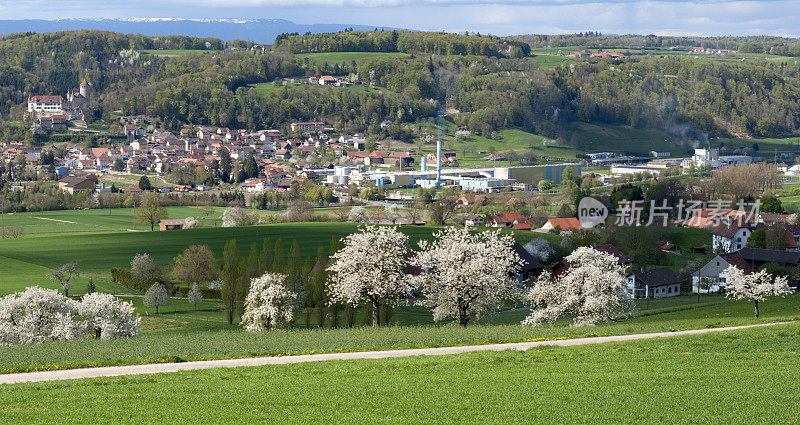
[(594, 40), (402, 41), (483, 92)]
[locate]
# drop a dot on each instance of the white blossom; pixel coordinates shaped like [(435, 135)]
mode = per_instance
[(236, 216), (755, 286), (357, 215), (38, 315), (466, 274), (190, 223), (144, 269), (540, 249), (195, 295), (370, 267), (592, 290), (156, 296), (108, 317), (269, 304)]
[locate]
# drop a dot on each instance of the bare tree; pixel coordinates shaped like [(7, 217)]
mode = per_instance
[(64, 274)]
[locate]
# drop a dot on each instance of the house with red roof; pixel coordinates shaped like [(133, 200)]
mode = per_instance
[(561, 224)]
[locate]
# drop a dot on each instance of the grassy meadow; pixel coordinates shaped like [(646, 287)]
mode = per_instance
[(747, 376), (181, 333)]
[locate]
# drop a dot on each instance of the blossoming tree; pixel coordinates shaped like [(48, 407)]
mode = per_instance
[(157, 296), (269, 304), (108, 317), (466, 274), (38, 315), (755, 286), (592, 290), (370, 267)]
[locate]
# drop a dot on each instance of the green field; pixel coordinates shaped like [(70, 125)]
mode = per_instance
[(181, 334), (343, 57), (747, 376), (176, 52)]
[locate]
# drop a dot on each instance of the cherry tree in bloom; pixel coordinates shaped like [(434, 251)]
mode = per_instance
[(370, 267), (755, 286), (593, 290), (269, 304), (108, 317), (38, 315), (466, 274)]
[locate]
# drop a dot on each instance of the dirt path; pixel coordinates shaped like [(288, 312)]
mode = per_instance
[(97, 372)]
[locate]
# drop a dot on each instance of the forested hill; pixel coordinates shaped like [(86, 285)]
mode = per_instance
[(592, 40), (402, 41), (479, 79)]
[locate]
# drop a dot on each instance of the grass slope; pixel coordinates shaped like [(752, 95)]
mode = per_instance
[(205, 336), (746, 376)]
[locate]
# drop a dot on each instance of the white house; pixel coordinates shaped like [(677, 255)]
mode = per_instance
[(473, 220), (711, 277), (729, 237), (655, 283)]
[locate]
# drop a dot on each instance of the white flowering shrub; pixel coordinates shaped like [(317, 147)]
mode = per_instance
[(540, 249), (269, 304), (237, 216), (38, 315), (466, 274), (107, 317), (755, 286), (357, 215), (370, 267), (190, 223), (593, 290)]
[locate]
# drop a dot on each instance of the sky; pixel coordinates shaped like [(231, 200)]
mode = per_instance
[(500, 17)]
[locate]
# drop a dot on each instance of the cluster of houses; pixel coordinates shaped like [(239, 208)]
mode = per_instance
[(710, 51), (602, 55)]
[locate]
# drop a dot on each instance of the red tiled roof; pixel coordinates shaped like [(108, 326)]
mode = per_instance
[(568, 223)]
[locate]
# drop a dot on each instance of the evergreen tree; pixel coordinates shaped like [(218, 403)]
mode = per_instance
[(231, 277)]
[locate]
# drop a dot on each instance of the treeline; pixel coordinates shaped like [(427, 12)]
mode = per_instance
[(680, 95), (595, 40), (438, 43)]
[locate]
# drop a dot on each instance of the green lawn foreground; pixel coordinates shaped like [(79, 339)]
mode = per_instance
[(745, 376)]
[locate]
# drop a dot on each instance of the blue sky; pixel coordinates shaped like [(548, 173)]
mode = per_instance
[(502, 17)]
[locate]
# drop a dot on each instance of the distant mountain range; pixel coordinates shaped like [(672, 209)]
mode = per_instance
[(258, 30)]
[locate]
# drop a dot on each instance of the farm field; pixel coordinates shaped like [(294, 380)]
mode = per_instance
[(180, 333), (342, 57), (712, 378)]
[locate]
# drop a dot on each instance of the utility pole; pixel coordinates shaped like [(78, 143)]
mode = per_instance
[(134, 211)]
